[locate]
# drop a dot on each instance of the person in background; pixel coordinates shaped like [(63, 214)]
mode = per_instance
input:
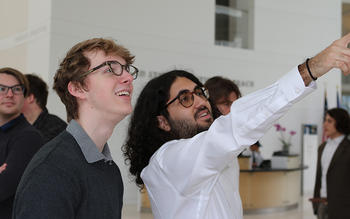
[(223, 92), (19, 141), (35, 111), (255, 154), (74, 175), (184, 157), (332, 185)]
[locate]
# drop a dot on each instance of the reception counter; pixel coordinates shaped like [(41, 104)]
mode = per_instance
[(268, 190)]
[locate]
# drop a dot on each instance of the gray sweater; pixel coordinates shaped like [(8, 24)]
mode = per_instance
[(60, 184)]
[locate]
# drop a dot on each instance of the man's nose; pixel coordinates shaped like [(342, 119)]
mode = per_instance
[(199, 101), (126, 77), (9, 92)]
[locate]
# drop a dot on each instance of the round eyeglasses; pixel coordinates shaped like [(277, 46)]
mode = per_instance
[(186, 97), (116, 68), (16, 89)]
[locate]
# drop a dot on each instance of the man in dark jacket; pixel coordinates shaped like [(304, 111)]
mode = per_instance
[(332, 190), (35, 111), (19, 141)]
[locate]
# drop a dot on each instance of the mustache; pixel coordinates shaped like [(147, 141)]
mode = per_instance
[(196, 115)]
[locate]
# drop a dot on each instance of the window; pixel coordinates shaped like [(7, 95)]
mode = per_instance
[(234, 23)]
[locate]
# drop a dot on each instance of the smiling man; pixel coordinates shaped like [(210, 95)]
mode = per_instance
[(74, 175), (190, 173), (19, 141)]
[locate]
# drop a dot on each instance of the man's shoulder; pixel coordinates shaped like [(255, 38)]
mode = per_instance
[(50, 126), (61, 147), (55, 118), (346, 144), (56, 166), (346, 140), (51, 119), (24, 130), (61, 153), (167, 147)]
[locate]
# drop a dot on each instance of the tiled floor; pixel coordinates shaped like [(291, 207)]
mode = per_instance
[(304, 211)]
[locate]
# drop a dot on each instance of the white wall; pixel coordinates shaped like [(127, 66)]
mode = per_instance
[(166, 34)]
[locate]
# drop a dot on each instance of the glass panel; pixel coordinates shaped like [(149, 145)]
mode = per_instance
[(233, 21)]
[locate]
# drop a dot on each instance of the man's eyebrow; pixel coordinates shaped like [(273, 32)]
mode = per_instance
[(10, 86), (181, 91)]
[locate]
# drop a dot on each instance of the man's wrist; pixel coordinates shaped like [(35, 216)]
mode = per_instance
[(308, 69), (304, 73)]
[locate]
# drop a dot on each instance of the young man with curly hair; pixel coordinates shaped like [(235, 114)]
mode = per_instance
[(74, 175), (185, 160)]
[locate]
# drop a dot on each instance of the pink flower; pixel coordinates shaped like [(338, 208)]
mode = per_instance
[(286, 141), (278, 127)]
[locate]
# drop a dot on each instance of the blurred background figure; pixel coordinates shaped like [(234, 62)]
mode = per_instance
[(35, 111), (19, 141), (332, 188), (255, 154), (223, 92)]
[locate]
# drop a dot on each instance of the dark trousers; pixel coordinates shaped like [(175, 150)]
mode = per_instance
[(322, 212)]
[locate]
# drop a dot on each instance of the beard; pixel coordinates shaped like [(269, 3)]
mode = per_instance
[(186, 129)]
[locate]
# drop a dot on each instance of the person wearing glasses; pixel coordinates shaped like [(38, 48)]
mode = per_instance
[(19, 141), (74, 175), (35, 111), (185, 158)]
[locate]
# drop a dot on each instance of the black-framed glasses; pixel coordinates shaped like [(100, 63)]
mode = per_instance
[(116, 68), (186, 97), (16, 89)]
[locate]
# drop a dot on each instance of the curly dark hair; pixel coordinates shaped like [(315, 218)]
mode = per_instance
[(144, 136), (342, 120)]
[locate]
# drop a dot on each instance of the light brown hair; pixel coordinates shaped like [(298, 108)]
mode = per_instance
[(75, 64)]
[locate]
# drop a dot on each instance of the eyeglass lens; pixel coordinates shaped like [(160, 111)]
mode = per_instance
[(16, 89), (186, 98), (117, 68)]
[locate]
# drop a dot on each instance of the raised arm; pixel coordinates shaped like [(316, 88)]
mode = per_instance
[(337, 55)]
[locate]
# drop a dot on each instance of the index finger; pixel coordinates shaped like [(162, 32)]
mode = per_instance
[(344, 41)]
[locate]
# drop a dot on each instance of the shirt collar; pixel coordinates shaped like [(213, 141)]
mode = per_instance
[(87, 146), (11, 123), (336, 140)]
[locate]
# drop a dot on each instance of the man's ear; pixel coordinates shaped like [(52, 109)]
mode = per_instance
[(30, 98), (163, 123), (76, 90)]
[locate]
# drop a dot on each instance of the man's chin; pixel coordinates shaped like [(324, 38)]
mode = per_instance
[(204, 126)]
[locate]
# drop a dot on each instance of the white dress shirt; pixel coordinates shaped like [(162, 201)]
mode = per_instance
[(198, 178), (327, 155)]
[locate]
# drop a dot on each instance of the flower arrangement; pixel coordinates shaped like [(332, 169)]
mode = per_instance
[(284, 140)]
